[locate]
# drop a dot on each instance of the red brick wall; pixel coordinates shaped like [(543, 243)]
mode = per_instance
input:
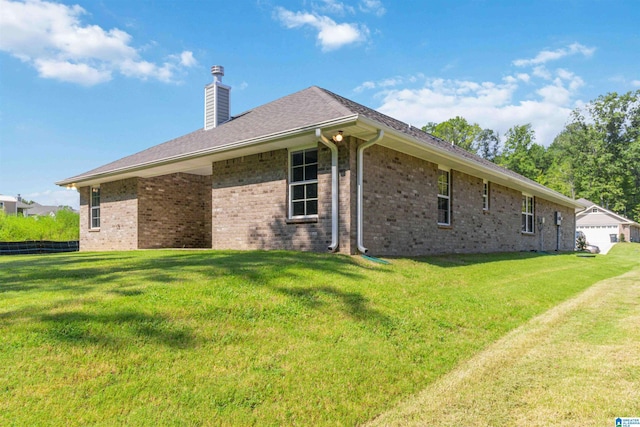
[(400, 212), (170, 211), (174, 211), (118, 217), (249, 204), (243, 205)]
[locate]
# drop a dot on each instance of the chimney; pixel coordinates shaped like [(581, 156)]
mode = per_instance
[(216, 100)]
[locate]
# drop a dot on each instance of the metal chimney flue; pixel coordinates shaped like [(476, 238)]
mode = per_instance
[(217, 71), (217, 105)]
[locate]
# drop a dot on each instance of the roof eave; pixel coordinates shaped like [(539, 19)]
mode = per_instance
[(264, 139), (522, 184)]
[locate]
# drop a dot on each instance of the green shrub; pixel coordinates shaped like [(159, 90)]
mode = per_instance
[(65, 225)]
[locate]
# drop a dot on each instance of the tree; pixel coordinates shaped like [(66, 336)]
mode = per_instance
[(603, 144), (488, 143), (521, 154), (560, 173), (457, 131)]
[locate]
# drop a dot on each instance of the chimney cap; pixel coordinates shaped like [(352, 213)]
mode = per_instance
[(217, 70)]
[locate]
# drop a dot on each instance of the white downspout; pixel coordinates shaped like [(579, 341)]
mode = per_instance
[(360, 167), (335, 200)]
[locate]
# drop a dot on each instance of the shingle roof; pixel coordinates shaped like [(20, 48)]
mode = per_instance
[(302, 109), (426, 137)]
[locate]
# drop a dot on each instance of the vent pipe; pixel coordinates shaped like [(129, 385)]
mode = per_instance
[(217, 105)]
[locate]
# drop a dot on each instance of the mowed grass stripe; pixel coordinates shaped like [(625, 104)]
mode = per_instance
[(576, 364)]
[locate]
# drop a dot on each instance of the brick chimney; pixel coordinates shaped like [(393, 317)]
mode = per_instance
[(216, 100)]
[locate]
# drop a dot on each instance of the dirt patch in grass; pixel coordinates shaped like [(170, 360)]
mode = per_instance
[(576, 364)]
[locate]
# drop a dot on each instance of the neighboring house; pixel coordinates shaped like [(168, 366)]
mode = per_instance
[(8, 204), (604, 228), (36, 209), (315, 171), (15, 205), (22, 207)]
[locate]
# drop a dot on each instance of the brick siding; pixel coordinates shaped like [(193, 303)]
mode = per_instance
[(400, 212), (174, 211), (250, 206), (118, 217), (244, 205), (170, 211)]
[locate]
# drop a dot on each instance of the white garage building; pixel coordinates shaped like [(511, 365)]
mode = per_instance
[(604, 228)]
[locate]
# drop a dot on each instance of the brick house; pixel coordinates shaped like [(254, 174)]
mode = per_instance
[(315, 171)]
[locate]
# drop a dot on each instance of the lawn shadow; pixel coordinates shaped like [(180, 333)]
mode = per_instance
[(353, 304), (75, 327), (82, 279), (458, 260)]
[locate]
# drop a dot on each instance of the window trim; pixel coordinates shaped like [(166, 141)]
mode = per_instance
[(446, 197), (528, 203), (486, 190), (291, 184), (94, 209)]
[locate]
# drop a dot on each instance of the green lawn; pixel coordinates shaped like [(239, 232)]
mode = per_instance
[(257, 338)]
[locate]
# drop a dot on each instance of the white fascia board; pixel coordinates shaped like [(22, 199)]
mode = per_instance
[(466, 166), (264, 139)]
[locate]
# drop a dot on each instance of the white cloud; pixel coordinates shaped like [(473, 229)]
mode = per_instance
[(187, 59), (57, 197), (488, 104), (372, 6), (389, 82), (542, 72), (544, 98), (635, 83), (69, 72), (51, 38), (331, 35), (552, 55), (333, 7)]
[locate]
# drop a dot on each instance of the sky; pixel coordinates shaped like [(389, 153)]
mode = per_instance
[(83, 83)]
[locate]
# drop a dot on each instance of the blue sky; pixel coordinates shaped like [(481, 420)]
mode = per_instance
[(83, 83)]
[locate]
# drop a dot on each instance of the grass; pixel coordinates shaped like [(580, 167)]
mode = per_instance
[(257, 338), (65, 225), (576, 364)]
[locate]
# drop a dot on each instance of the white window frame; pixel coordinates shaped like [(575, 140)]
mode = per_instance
[(306, 183), (94, 210), (528, 214), (443, 197), (485, 195)]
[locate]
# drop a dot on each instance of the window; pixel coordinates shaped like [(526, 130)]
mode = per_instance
[(485, 195), (303, 183), (444, 197), (95, 207), (527, 214)]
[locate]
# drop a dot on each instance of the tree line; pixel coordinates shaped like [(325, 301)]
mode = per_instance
[(595, 156)]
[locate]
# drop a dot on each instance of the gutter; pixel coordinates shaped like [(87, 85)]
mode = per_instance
[(360, 166), (76, 180), (537, 189), (335, 200)]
